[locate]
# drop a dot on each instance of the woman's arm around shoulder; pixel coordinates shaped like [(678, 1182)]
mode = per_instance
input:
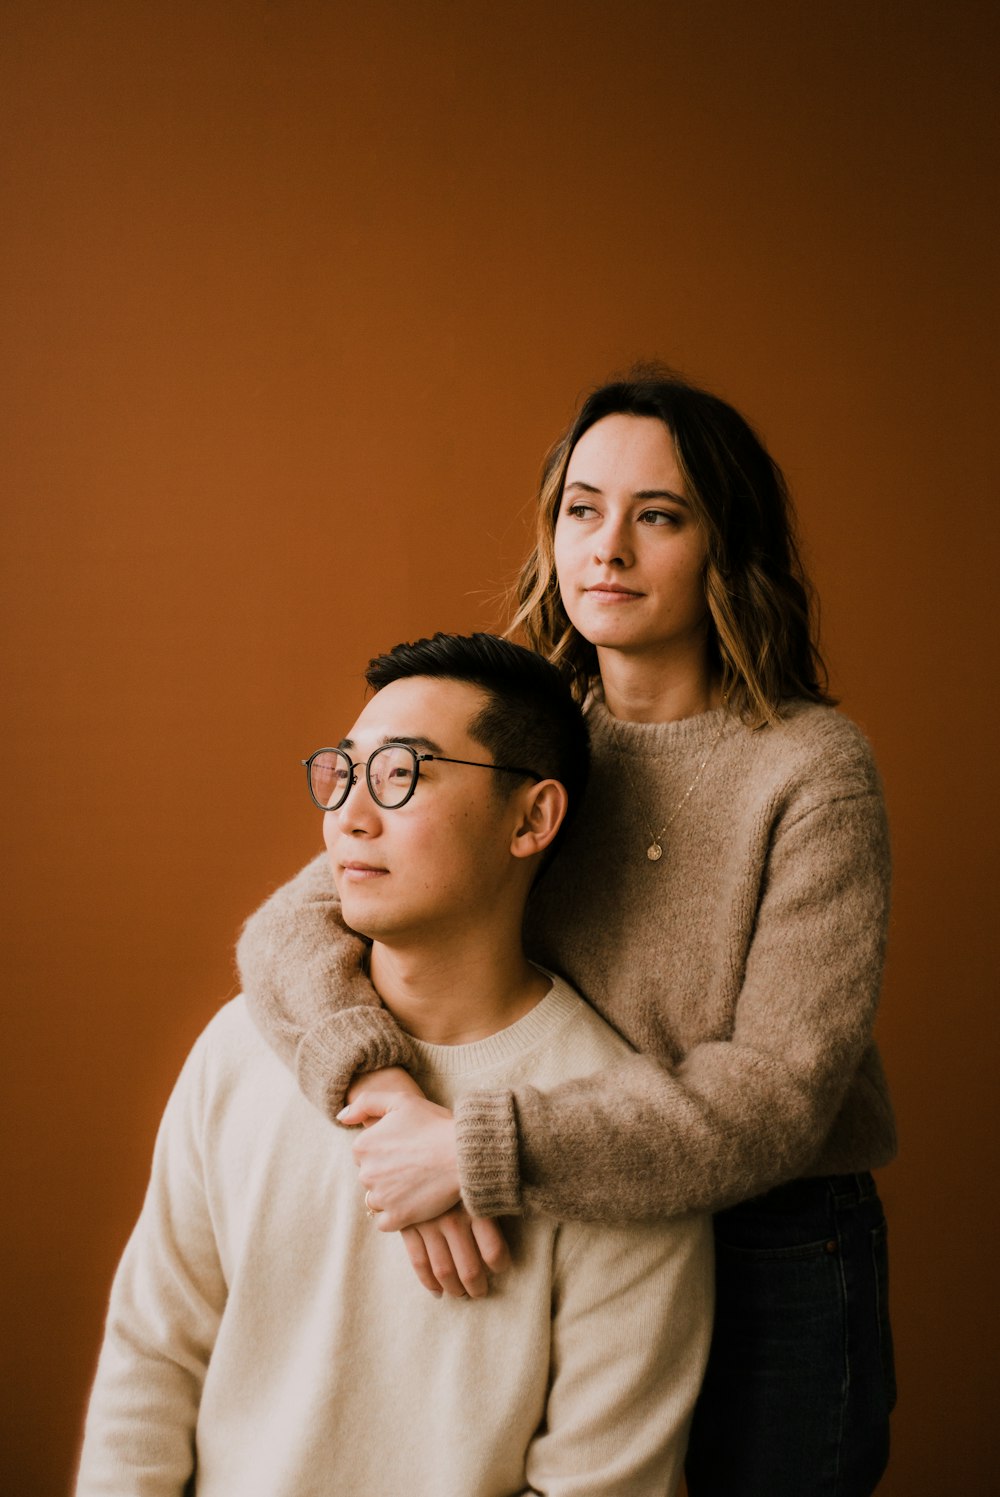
[(749, 1106), (306, 990)]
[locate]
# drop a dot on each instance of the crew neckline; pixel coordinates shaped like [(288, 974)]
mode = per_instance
[(695, 729), (548, 1014)]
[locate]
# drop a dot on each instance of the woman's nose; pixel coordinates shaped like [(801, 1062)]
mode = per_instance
[(611, 546)]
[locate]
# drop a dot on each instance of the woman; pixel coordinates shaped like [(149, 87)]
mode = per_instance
[(721, 899)]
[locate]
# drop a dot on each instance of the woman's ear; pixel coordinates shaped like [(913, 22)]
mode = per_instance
[(542, 809)]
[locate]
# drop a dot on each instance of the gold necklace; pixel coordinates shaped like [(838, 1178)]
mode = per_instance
[(654, 852)]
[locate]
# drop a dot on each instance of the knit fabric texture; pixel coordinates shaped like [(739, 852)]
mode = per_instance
[(744, 968), (263, 1333)]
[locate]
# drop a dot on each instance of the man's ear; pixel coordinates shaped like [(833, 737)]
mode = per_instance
[(542, 810)]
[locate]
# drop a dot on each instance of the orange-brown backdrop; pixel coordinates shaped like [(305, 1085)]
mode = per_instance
[(295, 296)]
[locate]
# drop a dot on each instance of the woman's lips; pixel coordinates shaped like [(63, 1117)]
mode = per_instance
[(359, 872), (603, 594)]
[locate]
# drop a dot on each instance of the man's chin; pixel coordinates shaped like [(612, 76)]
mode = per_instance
[(365, 921), (359, 921), (360, 928)]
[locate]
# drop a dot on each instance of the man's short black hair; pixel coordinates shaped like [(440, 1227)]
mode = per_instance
[(530, 716)]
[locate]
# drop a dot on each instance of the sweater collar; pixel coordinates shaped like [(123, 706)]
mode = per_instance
[(653, 738), (537, 1026)]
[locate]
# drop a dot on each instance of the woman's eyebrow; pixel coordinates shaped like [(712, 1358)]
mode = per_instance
[(642, 494), (661, 494)]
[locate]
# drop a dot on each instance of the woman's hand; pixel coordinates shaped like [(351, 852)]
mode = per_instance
[(406, 1157), (408, 1164), (455, 1253), (388, 1079)]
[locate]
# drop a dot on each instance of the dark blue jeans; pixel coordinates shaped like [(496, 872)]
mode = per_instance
[(800, 1379)]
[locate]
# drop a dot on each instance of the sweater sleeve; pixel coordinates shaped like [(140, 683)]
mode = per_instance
[(305, 987), (631, 1326), (740, 1113), (166, 1305)]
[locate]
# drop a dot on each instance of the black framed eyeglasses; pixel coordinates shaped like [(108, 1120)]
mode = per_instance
[(391, 773)]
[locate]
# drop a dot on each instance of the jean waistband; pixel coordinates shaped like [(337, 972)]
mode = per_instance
[(800, 1195)]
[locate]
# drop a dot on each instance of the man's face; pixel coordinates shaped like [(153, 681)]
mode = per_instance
[(439, 862)]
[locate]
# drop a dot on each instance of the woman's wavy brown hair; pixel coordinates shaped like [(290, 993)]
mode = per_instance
[(761, 633)]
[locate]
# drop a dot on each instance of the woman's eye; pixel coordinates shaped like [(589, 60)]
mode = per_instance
[(580, 511), (659, 517)]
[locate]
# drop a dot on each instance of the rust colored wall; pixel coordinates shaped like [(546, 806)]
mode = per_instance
[(295, 295)]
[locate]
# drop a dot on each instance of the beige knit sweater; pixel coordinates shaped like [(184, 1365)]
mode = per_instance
[(264, 1333), (744, 967)]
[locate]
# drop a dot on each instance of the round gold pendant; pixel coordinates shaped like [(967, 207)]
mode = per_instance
[(654, 852)]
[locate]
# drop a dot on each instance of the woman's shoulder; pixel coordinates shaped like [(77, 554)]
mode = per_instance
[(823, 729), (819, 750)]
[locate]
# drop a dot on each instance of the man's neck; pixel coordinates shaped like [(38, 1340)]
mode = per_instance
[(455, 993)]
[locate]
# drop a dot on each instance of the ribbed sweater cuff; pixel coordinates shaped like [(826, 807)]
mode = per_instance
[(348, 1042), (486, 1133)]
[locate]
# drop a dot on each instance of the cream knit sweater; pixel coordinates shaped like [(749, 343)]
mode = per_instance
[(744, 967), (263, 1332)]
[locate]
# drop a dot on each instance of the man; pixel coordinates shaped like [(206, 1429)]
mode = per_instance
[(263, 1337)]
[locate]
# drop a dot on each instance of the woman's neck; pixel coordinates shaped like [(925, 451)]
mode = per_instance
[(643, 690)]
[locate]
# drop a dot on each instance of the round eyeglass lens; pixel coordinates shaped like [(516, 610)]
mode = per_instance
[(392, 772), (330, 777)]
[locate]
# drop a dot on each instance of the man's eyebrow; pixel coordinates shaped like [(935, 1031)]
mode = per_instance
[(641, 494), (418, 742), (415, 741)]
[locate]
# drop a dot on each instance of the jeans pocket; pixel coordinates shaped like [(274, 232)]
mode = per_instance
[(783, 1252), (880, 1259)]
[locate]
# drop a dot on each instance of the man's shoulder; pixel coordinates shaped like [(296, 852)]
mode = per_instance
[(228, 1044), (581, 1015), (229, 1027), (232, 1080), (586, 1042)]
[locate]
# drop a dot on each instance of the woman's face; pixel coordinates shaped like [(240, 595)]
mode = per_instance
[(630, 555)]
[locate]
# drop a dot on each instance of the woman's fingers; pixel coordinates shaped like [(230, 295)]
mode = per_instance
[(367, 1108), (414, 1244), (491, 1242), (467, 1269), (447, 1257), (408, 1160), (388, 1079)]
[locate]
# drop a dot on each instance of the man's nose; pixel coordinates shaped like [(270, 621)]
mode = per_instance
[(358, 811)]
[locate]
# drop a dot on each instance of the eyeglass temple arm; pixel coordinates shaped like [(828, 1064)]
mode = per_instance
[(529, 774)]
